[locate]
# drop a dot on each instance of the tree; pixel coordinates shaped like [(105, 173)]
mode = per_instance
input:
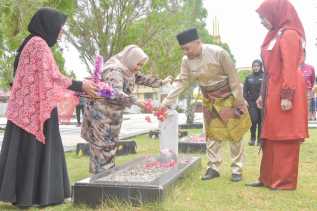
[(243, 74), (105, 27), (99, 26)]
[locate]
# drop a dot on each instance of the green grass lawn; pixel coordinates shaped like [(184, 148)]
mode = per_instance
[(219, 194)]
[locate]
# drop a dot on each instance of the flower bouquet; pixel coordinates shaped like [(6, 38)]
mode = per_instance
[(105, 90)]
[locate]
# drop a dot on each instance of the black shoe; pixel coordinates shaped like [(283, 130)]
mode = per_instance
[(236, 177), (210, 174), (255, 184)]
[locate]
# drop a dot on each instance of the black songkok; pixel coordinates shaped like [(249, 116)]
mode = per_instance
[(187, 36)]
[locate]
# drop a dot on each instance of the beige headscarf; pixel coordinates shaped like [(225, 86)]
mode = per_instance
[(127, 59)]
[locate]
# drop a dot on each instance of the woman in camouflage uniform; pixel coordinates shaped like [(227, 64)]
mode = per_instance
[(103, 118)]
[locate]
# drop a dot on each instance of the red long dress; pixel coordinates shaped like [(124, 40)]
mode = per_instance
[(282, 131)]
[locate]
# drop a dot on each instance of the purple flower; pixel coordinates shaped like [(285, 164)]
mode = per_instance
[(106, 90), (106, 93), (98, 68)]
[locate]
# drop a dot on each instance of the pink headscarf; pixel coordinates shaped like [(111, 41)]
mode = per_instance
[(37, 88), (282, 15)]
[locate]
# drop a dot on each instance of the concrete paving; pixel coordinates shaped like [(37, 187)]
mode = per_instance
[(133, 125)]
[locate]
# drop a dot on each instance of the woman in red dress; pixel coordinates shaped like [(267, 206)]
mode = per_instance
[(285, 123)]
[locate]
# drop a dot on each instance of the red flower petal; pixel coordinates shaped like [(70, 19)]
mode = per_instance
[(148, 119)]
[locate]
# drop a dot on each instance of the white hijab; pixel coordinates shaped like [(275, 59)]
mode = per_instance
[(127, 59)]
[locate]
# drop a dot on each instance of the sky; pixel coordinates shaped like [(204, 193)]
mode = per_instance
[(240, 27)]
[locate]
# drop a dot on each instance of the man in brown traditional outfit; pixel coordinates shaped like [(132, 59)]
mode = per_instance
[(225, 114)]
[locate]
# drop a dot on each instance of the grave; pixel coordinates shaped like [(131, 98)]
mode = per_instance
[(139, 181), (192, 144), (124, 147), (146, 179)]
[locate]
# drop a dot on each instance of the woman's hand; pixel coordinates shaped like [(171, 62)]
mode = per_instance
[(286, 105), (90, 88), (259, 102), (168, 79)]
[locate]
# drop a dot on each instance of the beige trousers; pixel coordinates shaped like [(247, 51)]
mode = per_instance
[(215, 158)]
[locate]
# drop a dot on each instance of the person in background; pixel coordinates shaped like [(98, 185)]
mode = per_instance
[(283, 96), (251, 92), (80, 109), (309, 76), (32, 163)]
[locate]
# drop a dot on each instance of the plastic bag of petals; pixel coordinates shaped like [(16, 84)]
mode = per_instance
[(148, 106), (161, 114)]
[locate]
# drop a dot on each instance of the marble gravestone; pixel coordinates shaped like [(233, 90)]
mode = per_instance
[(139, 181), (169, 137)]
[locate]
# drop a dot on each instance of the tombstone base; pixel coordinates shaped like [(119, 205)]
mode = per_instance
[(125, 147), (191, 126), (154, 134), (128, 183)]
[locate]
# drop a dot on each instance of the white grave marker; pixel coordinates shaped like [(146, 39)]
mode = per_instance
[(169, 136)]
